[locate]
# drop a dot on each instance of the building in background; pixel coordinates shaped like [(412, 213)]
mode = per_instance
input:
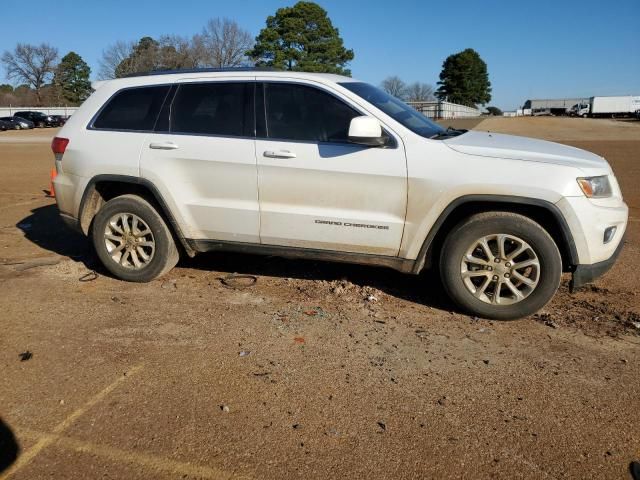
[(438, 109), (552, 106)]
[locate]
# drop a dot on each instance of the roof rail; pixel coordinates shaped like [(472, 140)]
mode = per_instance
[(203, 70)]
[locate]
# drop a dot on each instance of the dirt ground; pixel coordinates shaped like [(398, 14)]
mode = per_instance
[(317, 370)]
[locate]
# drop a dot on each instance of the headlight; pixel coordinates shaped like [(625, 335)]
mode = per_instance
[(595, 187)]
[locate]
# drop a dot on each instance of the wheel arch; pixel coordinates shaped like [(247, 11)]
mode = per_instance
[(103, 188), (547, 214)]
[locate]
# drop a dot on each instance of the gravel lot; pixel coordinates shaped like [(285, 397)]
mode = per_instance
[(317, 370)]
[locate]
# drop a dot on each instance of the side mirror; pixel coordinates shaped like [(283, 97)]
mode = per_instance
[(366, 131)]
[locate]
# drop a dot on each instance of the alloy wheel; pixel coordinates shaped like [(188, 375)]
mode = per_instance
[(500, 269), (129, 241)]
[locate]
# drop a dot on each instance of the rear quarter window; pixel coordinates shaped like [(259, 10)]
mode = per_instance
[(133, 109)]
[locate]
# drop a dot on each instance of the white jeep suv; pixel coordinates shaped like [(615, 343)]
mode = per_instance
[(327, 167)]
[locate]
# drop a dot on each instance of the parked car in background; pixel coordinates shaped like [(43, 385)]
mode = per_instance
[(38, 118), (18, 123), (5, 126), (60, 119)]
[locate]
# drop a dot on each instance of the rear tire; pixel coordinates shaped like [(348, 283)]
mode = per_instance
[(474, 265), (132, 239)]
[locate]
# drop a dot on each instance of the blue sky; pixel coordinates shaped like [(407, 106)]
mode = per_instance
[(534, 49)]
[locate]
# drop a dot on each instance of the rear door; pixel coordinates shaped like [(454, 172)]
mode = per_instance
[(115, 135), (203, 158), (316, 189)]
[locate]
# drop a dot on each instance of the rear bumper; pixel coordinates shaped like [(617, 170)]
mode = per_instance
[(584, 274), (71, 221)]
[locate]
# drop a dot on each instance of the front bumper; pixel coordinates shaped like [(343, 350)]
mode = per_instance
[(587, 220), (584, 274)]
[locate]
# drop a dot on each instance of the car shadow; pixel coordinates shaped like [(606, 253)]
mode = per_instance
[(45, 228), (425, 288), (9, 448)]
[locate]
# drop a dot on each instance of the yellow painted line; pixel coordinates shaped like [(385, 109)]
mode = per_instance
[(45, 441), (95, 399), (145, 460)]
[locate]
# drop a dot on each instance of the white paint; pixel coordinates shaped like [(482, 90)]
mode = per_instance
[(332, 196)]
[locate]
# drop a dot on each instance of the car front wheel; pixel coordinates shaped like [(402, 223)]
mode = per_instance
[(132, 239), (500, 265)]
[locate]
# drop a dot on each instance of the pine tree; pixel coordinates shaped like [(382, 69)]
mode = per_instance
[(72, 78), (464, 79), (301, 38)]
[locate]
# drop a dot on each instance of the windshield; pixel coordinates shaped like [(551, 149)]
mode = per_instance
[(396, 109)]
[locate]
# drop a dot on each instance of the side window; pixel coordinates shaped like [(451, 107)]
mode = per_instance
[(132, 109), (299, 112), (214, 108)]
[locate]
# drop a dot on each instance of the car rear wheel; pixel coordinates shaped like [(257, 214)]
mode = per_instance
[(132, 240), (500, 265)]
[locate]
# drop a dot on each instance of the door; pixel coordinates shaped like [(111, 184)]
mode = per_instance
[(317, 190), (205, 162)]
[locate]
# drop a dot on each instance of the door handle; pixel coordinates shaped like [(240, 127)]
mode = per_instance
[(279, 154), (163, 146)]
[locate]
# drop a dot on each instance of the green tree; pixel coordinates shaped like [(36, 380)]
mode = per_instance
[(464, 79), (72, 78), (143, 58), (494, 111), (148, 55), (6, 88), (301, 38)]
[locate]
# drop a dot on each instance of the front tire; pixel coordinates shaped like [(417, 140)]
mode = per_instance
[(132, 240), (500, 265)]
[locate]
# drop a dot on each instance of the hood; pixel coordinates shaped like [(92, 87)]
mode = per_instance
[(497, 145)]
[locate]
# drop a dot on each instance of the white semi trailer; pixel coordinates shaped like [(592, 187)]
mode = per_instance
[(619, 106)]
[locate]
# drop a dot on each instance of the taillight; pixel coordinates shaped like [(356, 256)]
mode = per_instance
[(59, 145)]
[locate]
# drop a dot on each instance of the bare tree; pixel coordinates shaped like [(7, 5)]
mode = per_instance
[(394, 86), (169, 52), (31, 64), (419, 92), (113, 56), (222, 43), (176, 52)]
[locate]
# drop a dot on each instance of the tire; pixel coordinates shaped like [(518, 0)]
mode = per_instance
[(584, 115), (113, 234), (472, 284)]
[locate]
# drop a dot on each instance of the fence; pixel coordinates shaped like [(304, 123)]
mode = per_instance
[(433, 109), (65, 111), (440, 109)]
